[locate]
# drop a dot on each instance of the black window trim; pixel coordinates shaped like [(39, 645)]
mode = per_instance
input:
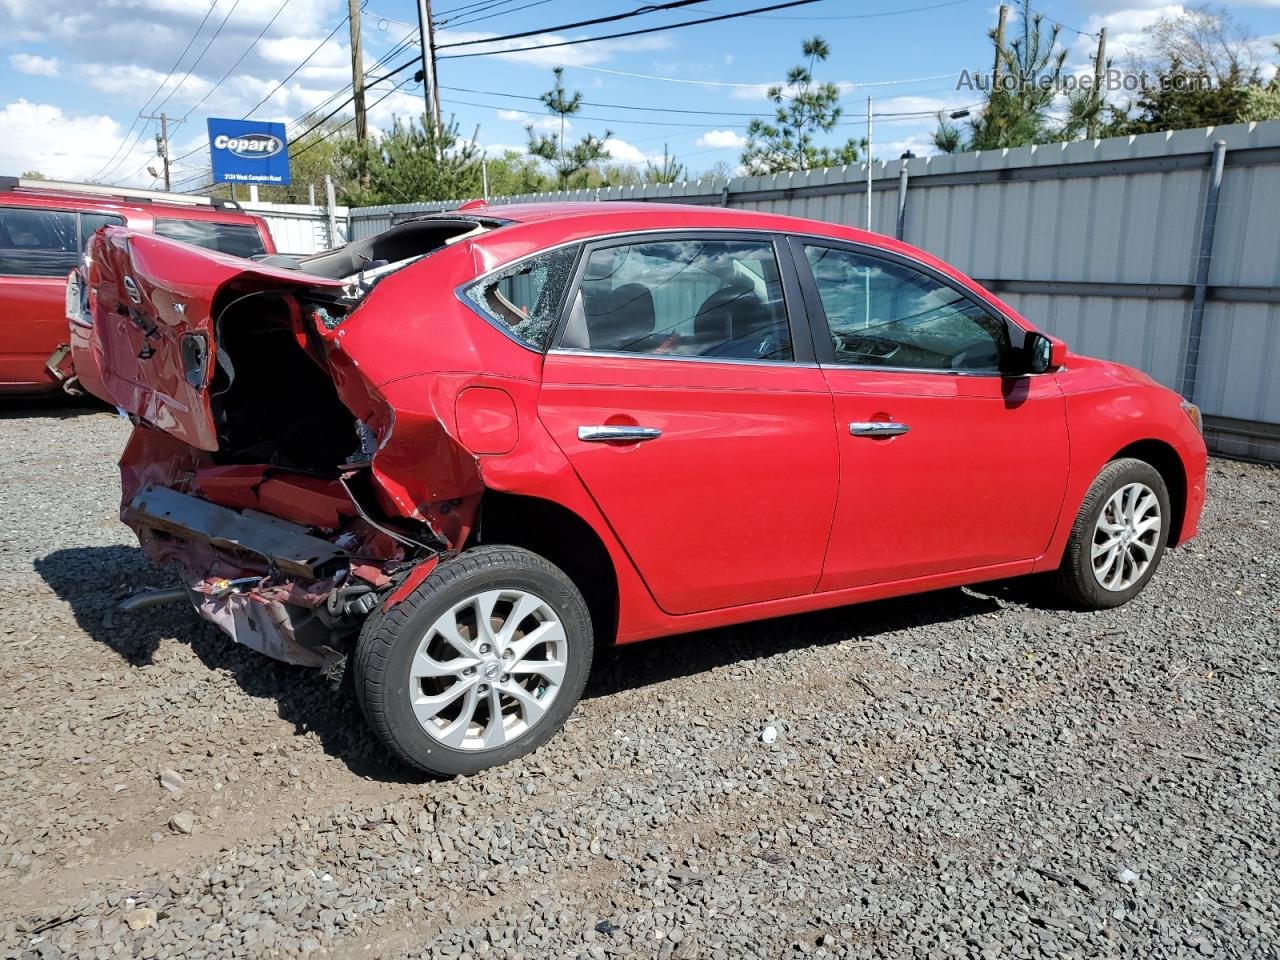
[(793, 307), (817, 314), (78, 214)]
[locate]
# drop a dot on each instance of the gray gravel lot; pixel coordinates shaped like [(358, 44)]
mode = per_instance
[(969, 773)]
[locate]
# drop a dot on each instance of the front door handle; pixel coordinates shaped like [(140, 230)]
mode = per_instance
[(877, 428), (607, 433)]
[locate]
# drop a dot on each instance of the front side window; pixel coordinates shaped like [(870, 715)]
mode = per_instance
[(237, 239), (37, 243), (525, 297), (717, 299), (886, 314)]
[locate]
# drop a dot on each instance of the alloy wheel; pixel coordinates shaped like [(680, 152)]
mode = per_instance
[(487, 670), (1126, 537)]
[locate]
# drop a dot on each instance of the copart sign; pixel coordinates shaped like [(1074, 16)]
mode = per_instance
[(248, 151)]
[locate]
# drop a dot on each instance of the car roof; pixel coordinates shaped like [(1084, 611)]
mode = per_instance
[(26, 194), (682, 215)]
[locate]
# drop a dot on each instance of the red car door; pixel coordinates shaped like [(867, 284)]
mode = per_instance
[(949, 460), (675, 392)]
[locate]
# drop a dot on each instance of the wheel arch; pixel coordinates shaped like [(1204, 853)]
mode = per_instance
[(564, 538), (1164, 458)]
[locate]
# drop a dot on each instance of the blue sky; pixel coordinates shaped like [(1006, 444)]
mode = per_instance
[(75, 75)]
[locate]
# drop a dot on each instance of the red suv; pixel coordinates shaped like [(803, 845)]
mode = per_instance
[(44, 228), (454, 457)]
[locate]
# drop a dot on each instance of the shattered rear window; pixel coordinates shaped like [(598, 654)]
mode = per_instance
[(525, 297)]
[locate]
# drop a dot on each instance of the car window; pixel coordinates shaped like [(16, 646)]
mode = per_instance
[(91, 223), (37, 243), (525, 297), (718, 299), (237, 239), (882, 313)]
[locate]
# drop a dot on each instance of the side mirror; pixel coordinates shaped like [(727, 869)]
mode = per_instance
[(1044, 353)]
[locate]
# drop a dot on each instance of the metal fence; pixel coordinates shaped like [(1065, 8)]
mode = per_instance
[(299, 228), (1161, 251)]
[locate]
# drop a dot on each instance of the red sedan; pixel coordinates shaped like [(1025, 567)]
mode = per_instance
[(462, 453)]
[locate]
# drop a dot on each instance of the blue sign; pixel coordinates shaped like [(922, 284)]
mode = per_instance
[(248, 151)]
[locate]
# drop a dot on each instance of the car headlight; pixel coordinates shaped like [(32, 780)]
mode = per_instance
[(1193, 414)]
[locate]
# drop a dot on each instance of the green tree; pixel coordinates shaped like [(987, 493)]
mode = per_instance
[(1020, 115), (319, 152), (413, 161), (669, 171), (568, 162), (33, 175), (514, 173), (1208, 75), (803, 108)]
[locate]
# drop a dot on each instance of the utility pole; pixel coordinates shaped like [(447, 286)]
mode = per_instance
[(427, 37), (162, 143), (1099, 67), (357, 70), (995, 70)]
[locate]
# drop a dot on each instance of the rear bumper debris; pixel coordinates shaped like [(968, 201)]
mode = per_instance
[(285, 546)]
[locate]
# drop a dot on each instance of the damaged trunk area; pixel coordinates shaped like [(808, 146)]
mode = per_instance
[(250, 467), (278, 533)]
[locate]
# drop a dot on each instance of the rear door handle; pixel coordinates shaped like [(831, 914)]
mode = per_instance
[(615, 433), (877, 428)]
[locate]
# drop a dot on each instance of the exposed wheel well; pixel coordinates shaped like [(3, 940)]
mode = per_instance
[(1166, 460), (564, 538)]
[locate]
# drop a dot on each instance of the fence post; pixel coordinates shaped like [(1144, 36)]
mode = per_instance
[(1191, 364), (331, 200), (901, 229), (724, 196)]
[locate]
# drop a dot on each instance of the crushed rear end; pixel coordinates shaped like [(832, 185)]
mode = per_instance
[(259, 464)]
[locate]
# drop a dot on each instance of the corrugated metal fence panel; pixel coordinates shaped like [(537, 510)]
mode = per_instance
[(1123, 216), (299, 228)]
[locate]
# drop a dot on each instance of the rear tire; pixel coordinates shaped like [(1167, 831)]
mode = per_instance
[(481, 664), (1118, 538)]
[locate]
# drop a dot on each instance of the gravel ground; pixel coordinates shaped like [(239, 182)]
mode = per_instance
[(969, 773)]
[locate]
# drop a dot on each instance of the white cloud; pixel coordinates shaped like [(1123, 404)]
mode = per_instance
[(36, 66), (721, 140), (517, 116), (628, 153), (39, 136)]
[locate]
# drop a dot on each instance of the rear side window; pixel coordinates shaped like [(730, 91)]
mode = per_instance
[(525, 297), (91, 223), (37, 243), (237, 239), (715, 299)]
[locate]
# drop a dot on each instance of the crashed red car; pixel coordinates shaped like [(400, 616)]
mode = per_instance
[(453, 458)]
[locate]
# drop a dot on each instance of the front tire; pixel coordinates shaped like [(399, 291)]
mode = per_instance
[(481, 664), (1118, 538)]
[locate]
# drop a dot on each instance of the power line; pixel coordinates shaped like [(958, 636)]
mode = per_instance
[(638, 12), (340, 107), (293, 72), (302, 120), (160, 86), (632, 33), (195, 63), (490, 16), (869, 16), (611, 106), (766, 83), (239, 60), (646, 123), (399, 86)]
